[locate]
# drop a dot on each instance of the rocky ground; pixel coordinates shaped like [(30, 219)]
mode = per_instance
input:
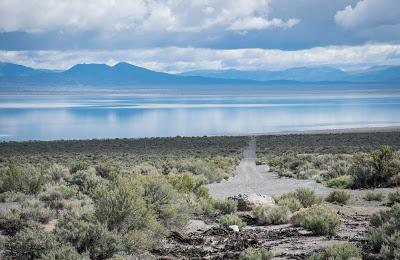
[(205, 239)]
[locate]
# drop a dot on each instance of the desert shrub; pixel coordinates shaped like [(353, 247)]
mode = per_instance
[(338, 196), (362, 171), (381, 161), (206, 207), (394, 197), (374, 196), (228, 220), (306, 197), (35, 211), (63, 252), (375, 169), (187, 183), (137, 241), (20, 217), (338, 167), (28, 181), (271, 215), (11, 222), (226, 206), (54, 196), (291, 202), (29, 243), (343, 251), (86, 180), (105, 171), (256, 254), (120, 205), (341, 182), (14, 196), (375, 239), (209, 170), (79, 166), (88, 236), (55, 173), (164, 201), (318, 219), (395, 179), (202, 192), (384, 235)]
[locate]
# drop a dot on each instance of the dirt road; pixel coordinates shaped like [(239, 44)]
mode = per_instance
[(251, 178)]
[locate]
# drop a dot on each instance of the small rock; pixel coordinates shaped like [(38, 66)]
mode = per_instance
[(234, 228), (247, 202)]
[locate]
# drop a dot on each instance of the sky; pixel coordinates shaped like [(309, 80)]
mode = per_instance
[(180, 35)]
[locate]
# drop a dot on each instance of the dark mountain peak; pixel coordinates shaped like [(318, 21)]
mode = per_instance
[(125, 66), (88, 67), (10, 69)]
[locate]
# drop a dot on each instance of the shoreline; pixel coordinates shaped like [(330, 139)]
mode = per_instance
[(360, 130)]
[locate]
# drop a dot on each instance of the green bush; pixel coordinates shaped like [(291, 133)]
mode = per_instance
[(318, 219), (394, 197), (306, 197), (14, 196), (121, 206), (341, 182), (271, 215), (105, 171), (27, 181), (343, 251), (64, 252), (54, 196), (86, 180), (384, 235), (229, 220), (29, 243), (79, 166), (291, 202), (374, 196), (338, 196), (381, 161), (226, 206), (375, 169), (206, 207), (19, 217), (88, 236), (11, 222), (56, 173), (169, 207), (256, 254)]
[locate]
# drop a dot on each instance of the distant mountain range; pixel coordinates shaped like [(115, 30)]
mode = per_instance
[(125, 74), (305, 74), (121, 74)]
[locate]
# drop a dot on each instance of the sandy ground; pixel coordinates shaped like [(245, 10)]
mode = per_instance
[(251, 178)]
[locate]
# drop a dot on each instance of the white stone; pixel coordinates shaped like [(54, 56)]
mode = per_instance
[(247, 202), (234, 228)]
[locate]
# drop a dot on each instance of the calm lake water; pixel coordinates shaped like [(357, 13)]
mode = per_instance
[(48, 117)]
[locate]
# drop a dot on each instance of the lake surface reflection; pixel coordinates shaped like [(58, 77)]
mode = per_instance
[(48, 117)]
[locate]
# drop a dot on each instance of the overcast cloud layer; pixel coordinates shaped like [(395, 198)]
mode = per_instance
[(175, 59), (176, 35)]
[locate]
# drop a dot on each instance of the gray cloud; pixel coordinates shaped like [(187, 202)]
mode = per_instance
[(370, 13), (39, 16)]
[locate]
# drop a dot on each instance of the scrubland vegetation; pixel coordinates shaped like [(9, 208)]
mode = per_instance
[(366, 167), (340, 252), (119, 199), (107, 199)]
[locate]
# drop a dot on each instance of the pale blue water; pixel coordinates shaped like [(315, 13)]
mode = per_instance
[(49, 117)]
